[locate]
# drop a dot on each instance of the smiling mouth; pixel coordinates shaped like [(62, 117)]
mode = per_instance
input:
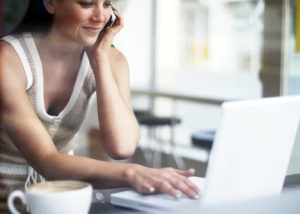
[(92, 30)]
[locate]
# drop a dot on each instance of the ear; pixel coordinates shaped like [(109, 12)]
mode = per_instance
[(49, 6)]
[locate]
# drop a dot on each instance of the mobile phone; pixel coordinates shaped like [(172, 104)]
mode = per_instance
[(111, 21), (108, 25)]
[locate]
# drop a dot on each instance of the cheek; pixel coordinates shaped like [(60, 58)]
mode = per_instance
[(80, 17), (72, 18)]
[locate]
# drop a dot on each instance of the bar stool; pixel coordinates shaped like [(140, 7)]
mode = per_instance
[(140, 114), (203, 139), (154, 124)]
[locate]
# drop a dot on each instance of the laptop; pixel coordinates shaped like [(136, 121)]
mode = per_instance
[(249, 157)]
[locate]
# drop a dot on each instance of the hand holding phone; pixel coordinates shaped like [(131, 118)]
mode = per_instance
[(111, 21), (109, 24)]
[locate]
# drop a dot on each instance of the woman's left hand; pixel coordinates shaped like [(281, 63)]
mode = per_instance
[(104, 41)]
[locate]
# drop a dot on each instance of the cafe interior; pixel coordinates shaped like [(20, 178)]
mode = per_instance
[(186, 58)]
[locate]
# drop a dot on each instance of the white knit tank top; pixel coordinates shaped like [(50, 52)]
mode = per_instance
[(14, 169)]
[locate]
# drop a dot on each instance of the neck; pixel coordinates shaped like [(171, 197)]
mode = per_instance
[(57, 47)]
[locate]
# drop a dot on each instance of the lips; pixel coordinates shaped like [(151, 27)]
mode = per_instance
[(93, 30)]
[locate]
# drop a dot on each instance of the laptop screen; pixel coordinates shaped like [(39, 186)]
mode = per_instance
[(252, 149)]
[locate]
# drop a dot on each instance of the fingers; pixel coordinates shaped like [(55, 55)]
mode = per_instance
[(189, 172), (175, 184), (119, 20), (115, 9), (141, 183), (183, 174), (108, 34), (185, 185), (166, 187), (168, 180), (147, 189)]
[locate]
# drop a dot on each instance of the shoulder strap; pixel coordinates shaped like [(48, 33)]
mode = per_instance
[(15, 43)]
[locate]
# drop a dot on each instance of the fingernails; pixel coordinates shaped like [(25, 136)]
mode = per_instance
[(192, 170), (195, 196), (151, 189), (178, 194)]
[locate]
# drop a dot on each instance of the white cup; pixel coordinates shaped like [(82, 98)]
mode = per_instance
[(54, 197)]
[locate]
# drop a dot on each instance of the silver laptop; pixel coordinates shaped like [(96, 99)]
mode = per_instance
[(249, 158)]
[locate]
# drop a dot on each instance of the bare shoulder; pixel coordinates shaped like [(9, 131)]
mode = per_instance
[(7, 50), (11, 69)]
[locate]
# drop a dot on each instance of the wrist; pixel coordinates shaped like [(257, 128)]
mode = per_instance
[(130, 173), (98, 59), (99, 64), (101, 56)]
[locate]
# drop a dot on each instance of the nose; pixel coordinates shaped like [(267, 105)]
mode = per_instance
[(98, 14)]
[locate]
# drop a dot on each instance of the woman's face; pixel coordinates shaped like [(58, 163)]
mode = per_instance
[(81, 20)]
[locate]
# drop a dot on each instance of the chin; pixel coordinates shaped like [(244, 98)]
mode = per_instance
[(88, 42)]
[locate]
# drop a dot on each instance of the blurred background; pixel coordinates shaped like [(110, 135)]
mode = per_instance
[(186, 58)]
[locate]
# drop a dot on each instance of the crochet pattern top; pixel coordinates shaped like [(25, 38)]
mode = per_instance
[(14, 170)]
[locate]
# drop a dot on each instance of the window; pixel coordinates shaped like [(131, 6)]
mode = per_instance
[(293, 48), (209, 48)]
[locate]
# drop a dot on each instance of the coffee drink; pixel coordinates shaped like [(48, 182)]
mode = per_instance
[(57, 186), (54, 197)]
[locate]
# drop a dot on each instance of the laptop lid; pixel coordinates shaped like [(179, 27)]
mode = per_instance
[(252, 148)]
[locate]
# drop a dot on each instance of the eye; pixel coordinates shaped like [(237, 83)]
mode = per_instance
[(107, 3), (86, 3)]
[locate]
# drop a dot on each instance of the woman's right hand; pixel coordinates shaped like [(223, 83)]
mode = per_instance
[(169, 180)]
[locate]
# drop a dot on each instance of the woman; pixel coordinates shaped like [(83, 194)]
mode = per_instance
[(49, 69)]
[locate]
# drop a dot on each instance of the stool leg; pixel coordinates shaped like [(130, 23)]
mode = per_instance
[(157, 152), (147, 150), (152, 145), (178, 159)]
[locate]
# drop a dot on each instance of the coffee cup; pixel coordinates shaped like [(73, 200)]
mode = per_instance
[(54, 197)]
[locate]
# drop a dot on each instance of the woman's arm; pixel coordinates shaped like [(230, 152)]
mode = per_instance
[(36, 146), (119, 129)]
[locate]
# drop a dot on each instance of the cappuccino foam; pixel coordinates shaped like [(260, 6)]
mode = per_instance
[(57, 186)]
